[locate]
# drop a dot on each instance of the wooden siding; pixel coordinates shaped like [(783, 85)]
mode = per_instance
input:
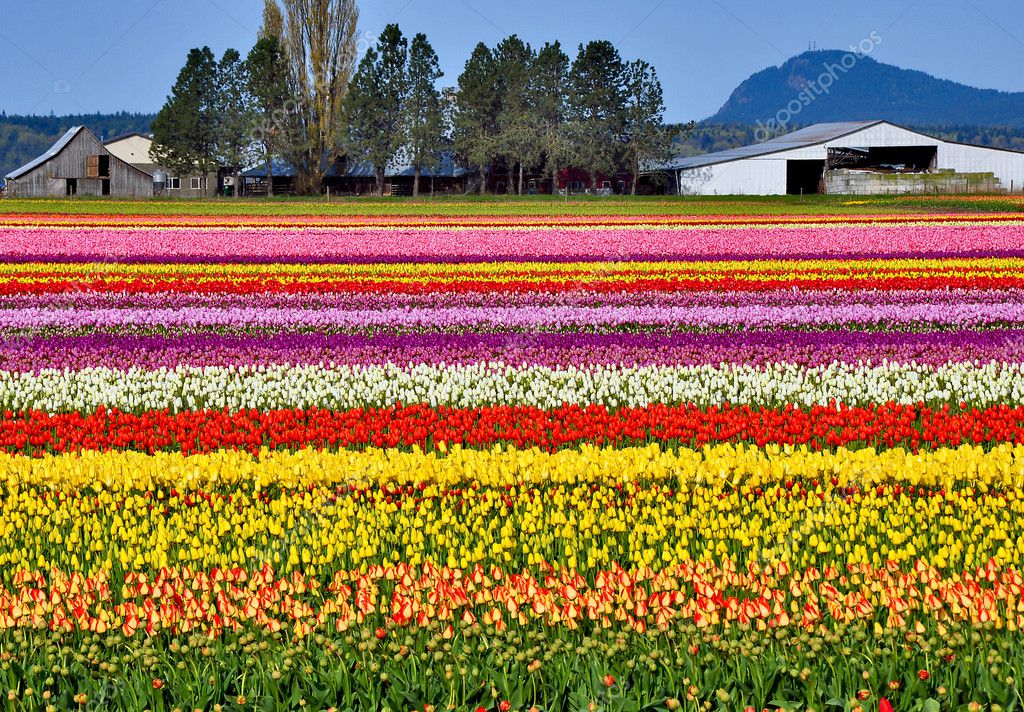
[(50, 178)]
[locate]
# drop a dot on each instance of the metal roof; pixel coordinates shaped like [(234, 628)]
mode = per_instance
[(51, 153), (801, 138), (123, 136), (278, 169), (397, 169)]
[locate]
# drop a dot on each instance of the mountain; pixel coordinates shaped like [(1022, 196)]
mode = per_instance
[(22, 138), (833, 85)]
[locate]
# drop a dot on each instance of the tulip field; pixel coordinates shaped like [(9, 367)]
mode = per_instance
[(567, 462)]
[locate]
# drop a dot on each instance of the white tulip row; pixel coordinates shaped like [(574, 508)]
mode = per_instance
[(342, 387)]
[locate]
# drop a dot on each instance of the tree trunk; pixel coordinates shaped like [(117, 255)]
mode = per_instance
[(270, 170), (520, 177), (636, 177), (380, 181), (416, 181), (483, 180)]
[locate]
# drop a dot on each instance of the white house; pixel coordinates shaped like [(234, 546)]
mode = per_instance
[(134, 148), (856, 157)]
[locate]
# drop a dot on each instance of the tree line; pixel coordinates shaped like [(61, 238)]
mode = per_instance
[(301, 95)]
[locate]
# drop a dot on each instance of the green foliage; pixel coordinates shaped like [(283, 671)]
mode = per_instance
[(423, 114), (516, 137), (185, 130), (267, 75), (550, 89), (373, 106), (475, 121), (597, 99), (645, 137), (234, 112), (533, 665)]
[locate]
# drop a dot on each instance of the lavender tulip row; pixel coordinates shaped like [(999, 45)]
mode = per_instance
[(603, 318), (31, 354)]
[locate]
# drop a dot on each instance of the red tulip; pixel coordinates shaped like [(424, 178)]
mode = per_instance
[(885, 706), (157, 683), (608, 680), (504, 706), (923, 674), (380, 633)]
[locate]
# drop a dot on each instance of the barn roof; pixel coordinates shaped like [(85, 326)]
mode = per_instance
[(51, 153), (123, 136), (801, 138)]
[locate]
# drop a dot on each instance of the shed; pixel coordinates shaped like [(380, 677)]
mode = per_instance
[(78, 164), (853, 157)]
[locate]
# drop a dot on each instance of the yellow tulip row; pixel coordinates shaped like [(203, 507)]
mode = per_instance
[(319, 512), (754, 271)]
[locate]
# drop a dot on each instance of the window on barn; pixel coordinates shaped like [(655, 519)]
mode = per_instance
[(195, 183), (173, 183), (97, 166)]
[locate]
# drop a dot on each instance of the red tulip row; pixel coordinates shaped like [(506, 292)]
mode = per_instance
[(601, 280), (820, 426)]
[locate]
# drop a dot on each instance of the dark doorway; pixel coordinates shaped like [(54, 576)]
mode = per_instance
[(71, 186), (104, 167), (105, 186), (804, 177)]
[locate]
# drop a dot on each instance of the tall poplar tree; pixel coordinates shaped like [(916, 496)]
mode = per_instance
[(319, 42)]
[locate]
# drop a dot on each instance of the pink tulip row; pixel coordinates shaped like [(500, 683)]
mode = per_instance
[(106, 244)]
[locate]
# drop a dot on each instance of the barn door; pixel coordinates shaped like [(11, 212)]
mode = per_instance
[(92, 166)]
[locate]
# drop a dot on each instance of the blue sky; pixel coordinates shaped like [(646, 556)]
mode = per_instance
[(67, 56)]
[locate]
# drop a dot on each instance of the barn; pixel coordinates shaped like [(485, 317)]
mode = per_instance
[(848, 158), (78, 164)]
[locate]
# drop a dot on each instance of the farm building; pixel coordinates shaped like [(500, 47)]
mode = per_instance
[(78, 164), (134, 148), (356, 178), (856, 157)]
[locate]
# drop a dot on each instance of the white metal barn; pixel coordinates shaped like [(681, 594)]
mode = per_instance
[(856, 157)]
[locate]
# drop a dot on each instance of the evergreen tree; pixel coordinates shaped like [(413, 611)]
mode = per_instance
[(645, 137), (596, 107), (517, 123), (549, 87), (474, 124), (373, 109), (268, 86), (234, 140), (185, 129), (424, 113)]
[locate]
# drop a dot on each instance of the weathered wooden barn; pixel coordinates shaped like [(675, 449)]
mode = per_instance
[(78, 164), (854, 157)]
